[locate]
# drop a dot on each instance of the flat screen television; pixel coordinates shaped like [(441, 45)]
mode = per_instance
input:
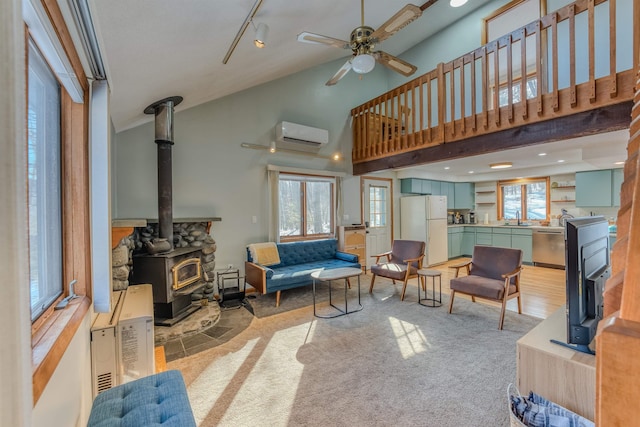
[(587, 269)]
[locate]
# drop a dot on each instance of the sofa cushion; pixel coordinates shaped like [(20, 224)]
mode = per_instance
[(392, 270), (480, 286), (295, 253), (295, 275)]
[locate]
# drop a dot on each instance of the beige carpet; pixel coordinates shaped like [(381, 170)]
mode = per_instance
[(393, 363)]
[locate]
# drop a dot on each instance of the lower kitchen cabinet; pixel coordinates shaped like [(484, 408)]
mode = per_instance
[(468, 241), (501, 237), (522, 239), (483, 236), (455, 242)]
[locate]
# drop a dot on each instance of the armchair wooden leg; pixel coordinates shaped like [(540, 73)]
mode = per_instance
[(519, 305), (278, 298), (504, 306), (349, 283), (373, 278), (404, 289), (453, 293), (473, 299)]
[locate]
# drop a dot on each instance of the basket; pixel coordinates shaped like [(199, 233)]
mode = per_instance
[(513, 418)]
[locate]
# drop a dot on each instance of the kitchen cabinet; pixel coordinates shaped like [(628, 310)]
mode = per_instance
[(501, 237), (454, 236), (468, 241), (483, 236), (448, 189), (353, 239), (411, 186), (598, 188), (523, 239), (463, 197)]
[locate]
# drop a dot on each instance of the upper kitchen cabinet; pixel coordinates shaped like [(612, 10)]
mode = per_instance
[(598, 188), (464, 197), (448, 189), (411, 186)]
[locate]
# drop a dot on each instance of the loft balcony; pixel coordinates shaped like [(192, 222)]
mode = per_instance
[(566, 75)]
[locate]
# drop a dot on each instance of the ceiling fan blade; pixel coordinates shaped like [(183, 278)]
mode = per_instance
[(340, 74), (395, 64), (401, 19), (306, 37)]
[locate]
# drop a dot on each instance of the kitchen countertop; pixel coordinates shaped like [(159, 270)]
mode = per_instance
[(499, 225)]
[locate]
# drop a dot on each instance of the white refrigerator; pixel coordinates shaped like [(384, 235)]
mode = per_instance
[(425, 218)]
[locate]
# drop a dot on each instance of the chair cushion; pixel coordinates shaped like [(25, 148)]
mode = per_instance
[(492, 262), (393, 271), (480, 286)]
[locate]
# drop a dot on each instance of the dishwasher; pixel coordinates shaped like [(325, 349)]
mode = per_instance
[(548, 248)]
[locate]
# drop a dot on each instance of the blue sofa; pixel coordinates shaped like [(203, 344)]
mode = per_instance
[(297, 261)]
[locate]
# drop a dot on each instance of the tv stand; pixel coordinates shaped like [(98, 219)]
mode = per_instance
[(577, 347), (557, 373)]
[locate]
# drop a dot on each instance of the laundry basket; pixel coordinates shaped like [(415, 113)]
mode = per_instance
[(538, 411), (514, 421)]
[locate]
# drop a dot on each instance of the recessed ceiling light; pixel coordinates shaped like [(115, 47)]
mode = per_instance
[(542, 154), (470, 171), (457, 3), (501, 165), (447, 168), (619, 163), (560, 161)]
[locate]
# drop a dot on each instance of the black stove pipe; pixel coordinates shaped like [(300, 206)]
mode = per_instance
[(163, 111)]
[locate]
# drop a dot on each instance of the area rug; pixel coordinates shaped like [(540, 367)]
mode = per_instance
[(264, 305), (393, 363)]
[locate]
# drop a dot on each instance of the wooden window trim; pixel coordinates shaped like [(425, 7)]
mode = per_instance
[(484, 31), (54, 330), (522, 181)]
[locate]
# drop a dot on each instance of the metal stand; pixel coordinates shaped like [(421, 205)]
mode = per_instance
[(234, 296), (341, 312), (433, 274)]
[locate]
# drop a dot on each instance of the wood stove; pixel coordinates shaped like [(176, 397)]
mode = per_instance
[(174, 276)]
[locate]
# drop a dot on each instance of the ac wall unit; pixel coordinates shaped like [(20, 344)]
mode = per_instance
[(104, 349), (135, 336), (293, 136)]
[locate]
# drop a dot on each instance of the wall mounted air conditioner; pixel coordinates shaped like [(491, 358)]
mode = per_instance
[(293, 136), (104, 347)]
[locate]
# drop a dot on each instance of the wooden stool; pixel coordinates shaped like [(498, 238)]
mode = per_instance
[(422, 275)]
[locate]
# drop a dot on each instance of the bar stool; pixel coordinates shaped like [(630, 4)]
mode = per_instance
[(423, 273)]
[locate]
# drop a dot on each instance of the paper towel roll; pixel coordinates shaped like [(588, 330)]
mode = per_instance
[(486, 219)]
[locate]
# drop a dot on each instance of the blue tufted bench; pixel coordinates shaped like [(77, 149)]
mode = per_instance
[(297, 261), (156, 400)]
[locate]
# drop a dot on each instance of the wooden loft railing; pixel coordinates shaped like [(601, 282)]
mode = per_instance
[(458, 100)]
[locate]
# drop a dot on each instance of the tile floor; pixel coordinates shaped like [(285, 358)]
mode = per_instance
[(227, 323)]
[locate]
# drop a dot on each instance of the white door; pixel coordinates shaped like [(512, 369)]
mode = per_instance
[(377, 216)]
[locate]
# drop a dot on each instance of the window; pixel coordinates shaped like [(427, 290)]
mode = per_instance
[(305, 206), (43, 184), (503, 93), (377, 206), (526, 198)]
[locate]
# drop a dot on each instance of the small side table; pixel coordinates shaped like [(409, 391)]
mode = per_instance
[(424, 273)]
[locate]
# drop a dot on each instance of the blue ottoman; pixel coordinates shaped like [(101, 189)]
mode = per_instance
[(156, 400)]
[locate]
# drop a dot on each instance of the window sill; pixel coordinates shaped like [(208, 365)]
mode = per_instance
[(51, 339)]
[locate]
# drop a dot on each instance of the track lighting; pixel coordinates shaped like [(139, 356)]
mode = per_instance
[(260, 40)]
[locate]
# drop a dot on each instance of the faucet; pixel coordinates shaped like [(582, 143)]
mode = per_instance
[(518, 217)]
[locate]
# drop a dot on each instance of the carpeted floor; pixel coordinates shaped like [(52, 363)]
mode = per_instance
[(393, 363)]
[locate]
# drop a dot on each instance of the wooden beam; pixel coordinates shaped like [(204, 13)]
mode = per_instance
[(600, 120)]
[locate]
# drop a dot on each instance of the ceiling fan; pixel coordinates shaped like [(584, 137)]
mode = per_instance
[(363, 40)]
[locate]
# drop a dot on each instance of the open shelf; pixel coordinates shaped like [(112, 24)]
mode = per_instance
[(564, 187), (563, 201), (485, 203), (485, 192)]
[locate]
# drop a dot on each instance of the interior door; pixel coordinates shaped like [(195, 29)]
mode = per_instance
[(377, 199)]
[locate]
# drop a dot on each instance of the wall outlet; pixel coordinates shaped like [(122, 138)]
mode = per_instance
[(229, 266)]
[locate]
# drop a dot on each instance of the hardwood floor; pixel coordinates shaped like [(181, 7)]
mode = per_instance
[(543, 289)]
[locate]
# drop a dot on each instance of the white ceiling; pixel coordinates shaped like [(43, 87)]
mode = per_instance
[(153, 49)]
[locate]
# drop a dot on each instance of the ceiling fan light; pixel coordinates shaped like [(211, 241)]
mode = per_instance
[(260, 39), (363, 63), (457, 3)]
